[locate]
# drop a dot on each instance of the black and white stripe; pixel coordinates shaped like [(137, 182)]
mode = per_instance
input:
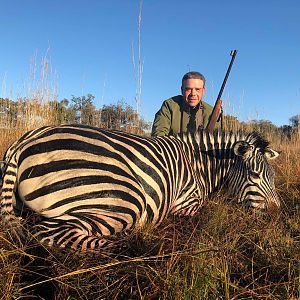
[(87, 183)]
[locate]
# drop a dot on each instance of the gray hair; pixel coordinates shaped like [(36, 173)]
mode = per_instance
[(193, 75)]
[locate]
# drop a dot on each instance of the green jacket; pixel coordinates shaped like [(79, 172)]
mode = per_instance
[(175, 115)]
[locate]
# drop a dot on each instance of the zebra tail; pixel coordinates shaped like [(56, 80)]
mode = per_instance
[(8, 181)]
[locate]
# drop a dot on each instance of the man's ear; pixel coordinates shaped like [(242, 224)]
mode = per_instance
[(182, 91)]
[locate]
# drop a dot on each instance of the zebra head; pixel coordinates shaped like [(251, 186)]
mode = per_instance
[(252, 176)]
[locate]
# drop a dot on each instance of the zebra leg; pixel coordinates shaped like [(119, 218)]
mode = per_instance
[(192, 210), (68, 234), (187, 208)]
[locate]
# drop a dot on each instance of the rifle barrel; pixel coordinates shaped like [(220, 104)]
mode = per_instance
[(233, 54), (218, 104)]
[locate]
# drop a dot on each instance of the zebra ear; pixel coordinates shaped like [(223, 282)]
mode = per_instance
[(243, 149), (271, 154)]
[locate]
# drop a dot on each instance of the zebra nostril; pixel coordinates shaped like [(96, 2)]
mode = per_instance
[(255, 204)]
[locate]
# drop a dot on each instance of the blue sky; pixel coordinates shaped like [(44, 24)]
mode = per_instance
[(89, 46)]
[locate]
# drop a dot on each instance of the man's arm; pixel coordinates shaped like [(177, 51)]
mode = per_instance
[(162, 121)]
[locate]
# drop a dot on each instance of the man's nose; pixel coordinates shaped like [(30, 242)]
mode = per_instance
[(193, 91)]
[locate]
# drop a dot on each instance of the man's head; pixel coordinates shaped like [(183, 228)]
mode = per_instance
[(193, 88)]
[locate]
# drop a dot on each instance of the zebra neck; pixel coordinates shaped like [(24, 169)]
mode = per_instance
[(211, 157)]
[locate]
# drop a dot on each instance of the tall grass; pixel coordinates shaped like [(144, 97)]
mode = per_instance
[(31, 108), (222, 253)]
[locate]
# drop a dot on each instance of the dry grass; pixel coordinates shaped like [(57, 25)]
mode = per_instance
[(223, 253)]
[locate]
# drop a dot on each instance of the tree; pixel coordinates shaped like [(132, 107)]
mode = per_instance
[(8, 112), (62, 114), (294, 121), (84, 108), (264, 127), (286, 132), (121, 116)]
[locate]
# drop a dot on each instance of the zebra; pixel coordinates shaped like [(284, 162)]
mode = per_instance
[(86, 183)]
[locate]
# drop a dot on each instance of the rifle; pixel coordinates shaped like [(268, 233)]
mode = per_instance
[(217, 112)]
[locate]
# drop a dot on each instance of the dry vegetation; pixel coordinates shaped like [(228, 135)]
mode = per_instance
[(223, 253)]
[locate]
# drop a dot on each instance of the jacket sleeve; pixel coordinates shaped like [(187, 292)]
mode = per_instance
[(162, 121)]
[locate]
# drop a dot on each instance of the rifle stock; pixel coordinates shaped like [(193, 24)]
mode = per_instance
[(218, 105), (214, 115)]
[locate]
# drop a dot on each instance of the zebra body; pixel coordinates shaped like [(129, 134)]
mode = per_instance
[(87, 183)]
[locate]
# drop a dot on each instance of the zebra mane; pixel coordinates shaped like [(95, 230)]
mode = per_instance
[(253, 138), (258, 141)]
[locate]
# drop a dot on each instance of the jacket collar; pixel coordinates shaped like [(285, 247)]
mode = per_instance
[(187, 108)]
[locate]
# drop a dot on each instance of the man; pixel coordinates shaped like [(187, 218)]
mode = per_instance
[(186, 112)]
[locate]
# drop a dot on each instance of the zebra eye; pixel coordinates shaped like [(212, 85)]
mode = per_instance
[(254, 175)]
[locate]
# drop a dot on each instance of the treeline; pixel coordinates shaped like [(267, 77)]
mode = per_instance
[(266, 127), (78, 110), (31, 113)]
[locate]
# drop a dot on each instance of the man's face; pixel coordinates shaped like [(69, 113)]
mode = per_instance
[(192, 91)]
